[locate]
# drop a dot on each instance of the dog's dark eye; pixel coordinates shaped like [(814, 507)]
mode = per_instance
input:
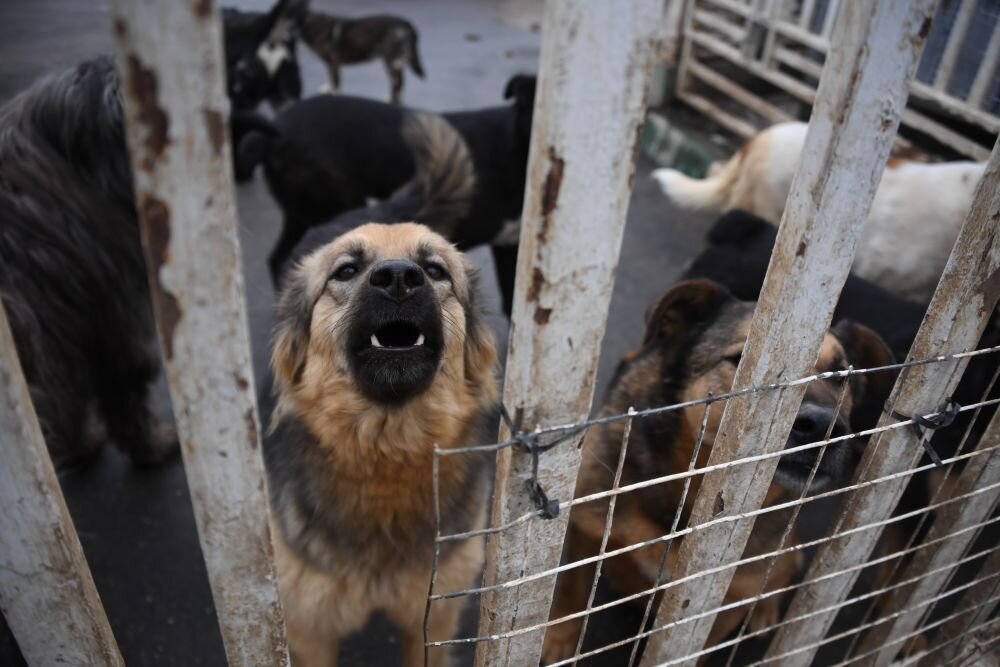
[(435, 272), (734, 359), (345, 273)]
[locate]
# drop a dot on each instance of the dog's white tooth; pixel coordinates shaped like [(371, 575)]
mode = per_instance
[(420, 339), (375, 341)]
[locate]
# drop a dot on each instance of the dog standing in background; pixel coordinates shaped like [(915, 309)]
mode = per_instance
[(72, 275), (339, 41), (914, 219)]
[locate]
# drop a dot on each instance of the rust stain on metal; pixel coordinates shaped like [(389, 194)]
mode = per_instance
[(925, 29), (719, 506), (154, 216), (550, 191), (542, 315), (241, 382), (119, 28), (215, 126), (537, 282), (143, 88), (802, 249), (252, 437), (202, 9)]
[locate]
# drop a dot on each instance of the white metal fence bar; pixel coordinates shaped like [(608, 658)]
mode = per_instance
[(958, 313), (594, 69), (854, 121), (982, 471), (963, 19), (171, 58), (46, 592)]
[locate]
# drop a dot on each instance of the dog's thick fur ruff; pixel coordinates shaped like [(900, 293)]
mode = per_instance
[(339, 41), (914, 220), (329, 154), (72, 275), (350, 475), (693, 340)]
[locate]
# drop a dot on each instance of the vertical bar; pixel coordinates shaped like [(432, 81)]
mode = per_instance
[(671, 32), (595, 65), (979, 609), (46, 592), (861, 95), (956, 39), (982, 471), (958, 313), (987, 66), (830, 19), (176, 111), (684, 62)]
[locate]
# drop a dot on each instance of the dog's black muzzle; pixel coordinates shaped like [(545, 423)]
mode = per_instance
[(395, 342), (811, 425)]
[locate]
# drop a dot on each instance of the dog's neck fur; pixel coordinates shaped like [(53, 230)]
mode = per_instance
[(365, 472)]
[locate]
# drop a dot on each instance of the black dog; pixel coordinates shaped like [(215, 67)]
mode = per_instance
[(740, 246), (329, 154), (72, 275), (261, 59)]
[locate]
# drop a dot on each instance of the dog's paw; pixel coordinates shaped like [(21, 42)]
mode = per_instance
[(766, 615), (560, 642), (161, 445)]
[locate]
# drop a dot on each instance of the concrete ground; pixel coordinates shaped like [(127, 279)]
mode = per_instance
[(137, 526)]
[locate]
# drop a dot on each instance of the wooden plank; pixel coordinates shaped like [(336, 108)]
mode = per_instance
[(977, 605), (46, 592), (854, 121), (982, 471), (589, 108), (956, 317), (170, 54)]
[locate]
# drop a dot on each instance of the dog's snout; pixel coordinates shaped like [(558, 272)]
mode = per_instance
[(812, 423), (397, 279)]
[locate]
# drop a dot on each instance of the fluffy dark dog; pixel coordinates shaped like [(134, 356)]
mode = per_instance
[(328, 154), (339, 41), (740, 246), (380, 355), (439, 195), (693, 342), (261, 62), (72, 275)]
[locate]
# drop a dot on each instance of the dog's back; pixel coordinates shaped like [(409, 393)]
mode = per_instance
[(72, 276)]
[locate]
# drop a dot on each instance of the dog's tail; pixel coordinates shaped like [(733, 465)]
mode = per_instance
[(710, 193), (440, 193), (252, 136), (412, 55)]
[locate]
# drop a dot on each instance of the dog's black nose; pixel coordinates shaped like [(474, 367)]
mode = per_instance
[(812, 423), (397, 279)]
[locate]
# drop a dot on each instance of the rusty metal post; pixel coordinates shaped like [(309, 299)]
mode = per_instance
[(46, 592), (171, 58), (595, 65)]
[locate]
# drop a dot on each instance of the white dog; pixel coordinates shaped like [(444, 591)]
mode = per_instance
[(914, 220)]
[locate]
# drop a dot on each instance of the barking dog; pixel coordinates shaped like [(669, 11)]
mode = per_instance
[(693, 342), (328, 154), (339, 41), (915, 217), (72, 275), (380, 354)]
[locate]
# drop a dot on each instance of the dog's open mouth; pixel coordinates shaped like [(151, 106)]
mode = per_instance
[(397, 336)]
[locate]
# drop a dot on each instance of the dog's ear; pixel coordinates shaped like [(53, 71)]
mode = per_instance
[(291, 333), (521, 88), (866, 349), (685, 307), (480, 350)]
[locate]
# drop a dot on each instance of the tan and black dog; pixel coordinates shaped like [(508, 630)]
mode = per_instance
[(693, 343), (338, 41), (380, 354)]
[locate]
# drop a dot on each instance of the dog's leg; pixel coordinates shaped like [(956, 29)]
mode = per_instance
[(292, 232), (572, 590), (309, 651), (394, 68), (333, 69), (442, 625)]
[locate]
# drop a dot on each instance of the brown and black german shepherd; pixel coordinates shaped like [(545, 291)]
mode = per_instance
[(380, 354), (339, 41), (693, 343)]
